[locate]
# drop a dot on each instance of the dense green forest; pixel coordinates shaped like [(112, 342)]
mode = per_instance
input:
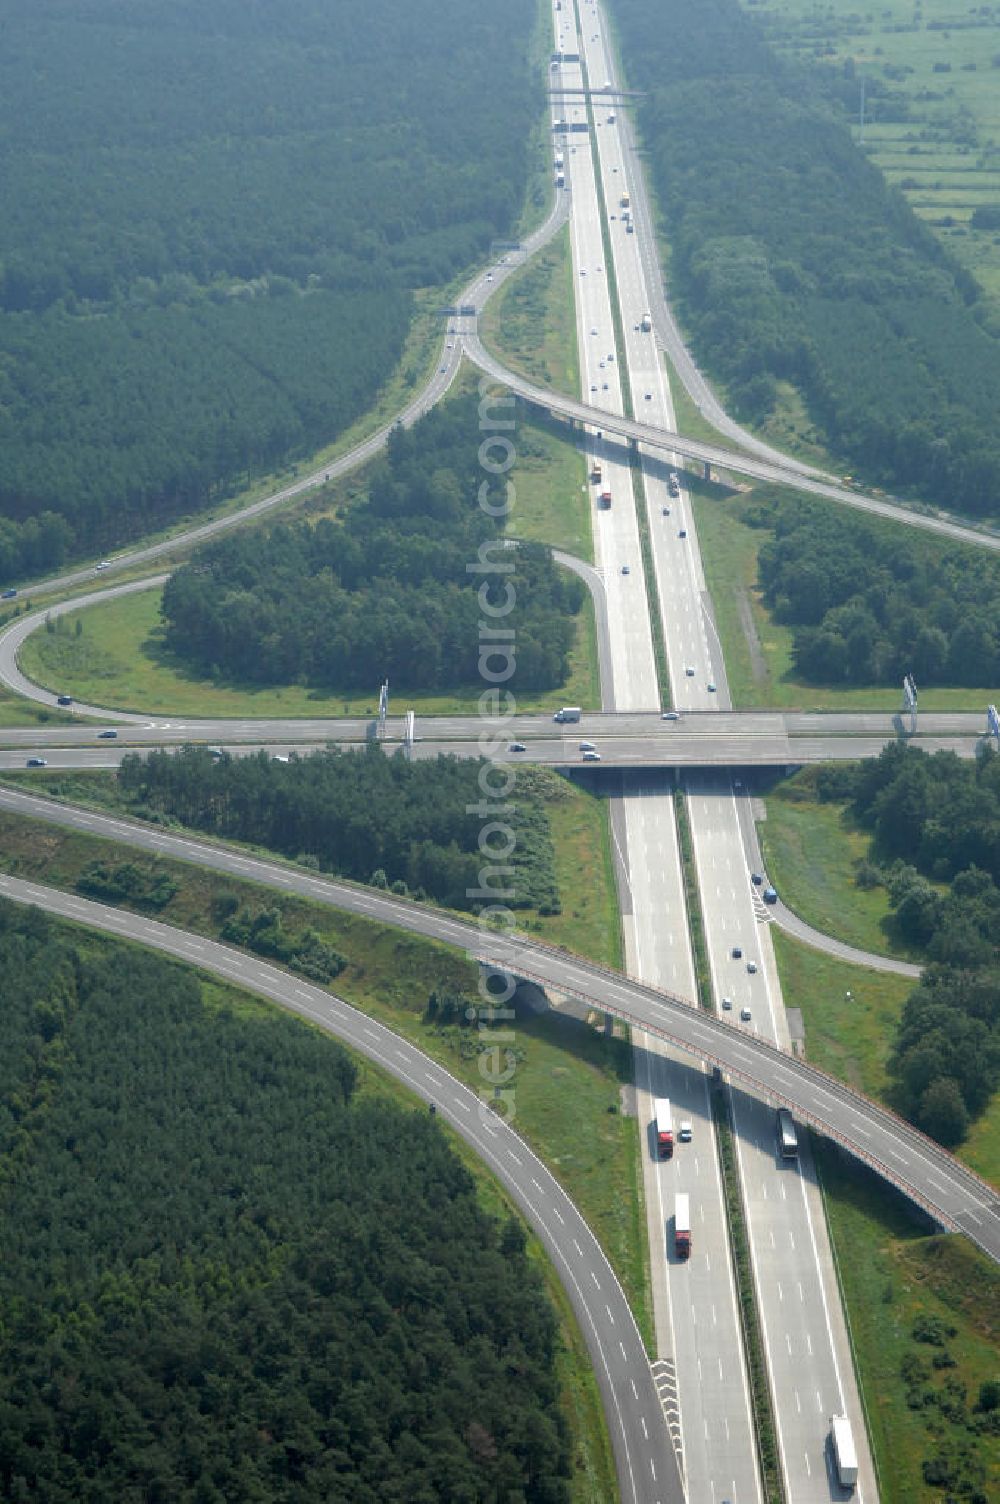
[(869, 603), (791, 258), (413, 826), (215, 215), (935, 824), (387, 591), (213, 1286)]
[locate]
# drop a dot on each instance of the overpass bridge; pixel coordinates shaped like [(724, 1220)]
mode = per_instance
[(794, 473)]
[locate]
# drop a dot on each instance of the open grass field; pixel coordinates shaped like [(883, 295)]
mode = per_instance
[(811, 851), (531, 323), (932, 104), (899, 1280), (766, 677), (119, 660), (849, 1012), (568, 1074), (553, 502)]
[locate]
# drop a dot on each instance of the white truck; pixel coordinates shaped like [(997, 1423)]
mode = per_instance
[(664, 1128), (568, 713), (844, 1456)]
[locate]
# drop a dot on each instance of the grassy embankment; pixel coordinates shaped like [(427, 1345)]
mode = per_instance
[(938, 61), (763, 675), (531, 326)]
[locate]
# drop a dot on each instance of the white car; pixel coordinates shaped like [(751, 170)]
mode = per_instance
[(745, 1015), (592, 757), (685, 1132)]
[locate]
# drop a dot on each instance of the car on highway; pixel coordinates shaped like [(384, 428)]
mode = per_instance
[(64, 699), (685, 1133), (649, 396), (588, 746), (756, 878), (605, 384), (670, 715), (625, 569), (737, 952), (682, 533), (442, 368), (745, 1015), (593, 331), (593, 388), (8, 595), (727, 1003), (107, 736), (592, 757), (689, 671), (710, 686), (770, 895), (517, 747), (665, 511), (751, 967), (104, 564), (36, 762)]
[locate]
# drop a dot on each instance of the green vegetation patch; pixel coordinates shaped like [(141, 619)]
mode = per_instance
[(814, 852), (236, 1199), (568, 1076), (770, 660), (531, 323), (202, 277), (791, 260), (931, 117), (850, 1013), (925, 1326)]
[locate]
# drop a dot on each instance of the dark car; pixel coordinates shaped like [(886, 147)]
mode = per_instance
[(683, 533), (756, 878), (36, 762), (107, 736), (8, 595), (770, 895), (736, 952), (517, 747), (64, 700)]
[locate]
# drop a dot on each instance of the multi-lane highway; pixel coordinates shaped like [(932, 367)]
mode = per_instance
[(703, 1387), (806, 1346)]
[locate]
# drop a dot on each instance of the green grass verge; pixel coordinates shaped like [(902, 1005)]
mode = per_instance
[(119, 660), (893, 1276), (760, 1389), (552, 496), (531, 323), (849, 1012), (811, 851), (692, 894), (757, 649)]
